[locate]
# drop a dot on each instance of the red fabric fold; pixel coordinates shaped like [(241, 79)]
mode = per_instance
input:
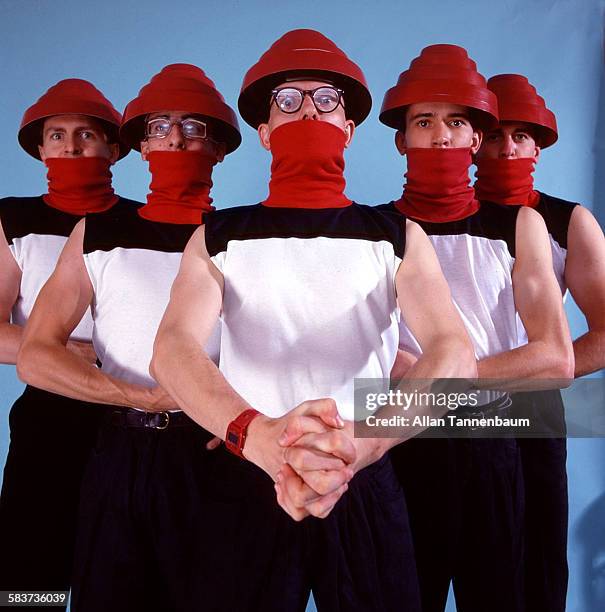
[(437, 186), (308, 165), (79, 185), (180, 186), (507, 181)]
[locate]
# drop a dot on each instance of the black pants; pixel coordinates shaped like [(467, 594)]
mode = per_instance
[(466, 508), (363, 557), (546, 503), (167, 525), (50, 441)]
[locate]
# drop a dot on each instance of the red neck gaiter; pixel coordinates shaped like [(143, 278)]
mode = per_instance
[(79, 185), (437, 186), (180, 187), (308, 165), (507, 181)]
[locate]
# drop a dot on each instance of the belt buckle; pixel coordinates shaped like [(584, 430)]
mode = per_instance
[(151, 420), (504, 405)]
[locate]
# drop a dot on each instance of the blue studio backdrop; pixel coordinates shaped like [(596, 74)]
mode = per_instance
[(119, 45)]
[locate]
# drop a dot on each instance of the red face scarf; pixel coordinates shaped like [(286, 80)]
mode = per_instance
[(180, 186), (507, 181), (78, 185), (308, 164), (437, 186)]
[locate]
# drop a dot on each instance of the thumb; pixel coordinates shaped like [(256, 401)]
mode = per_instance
[(325, 409), (312, 416)]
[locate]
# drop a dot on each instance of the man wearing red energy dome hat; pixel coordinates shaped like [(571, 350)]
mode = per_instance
[(466, 496), (305, 284), (73, 130), (505, 163), (150, 505)]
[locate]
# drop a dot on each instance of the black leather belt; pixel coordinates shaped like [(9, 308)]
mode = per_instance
[(500, 407), (502, 404), (128, 417)]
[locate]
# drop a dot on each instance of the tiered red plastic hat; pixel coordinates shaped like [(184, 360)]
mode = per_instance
[(519, 101), (183, 88), (304, 54), (441, 73), (69, 97)]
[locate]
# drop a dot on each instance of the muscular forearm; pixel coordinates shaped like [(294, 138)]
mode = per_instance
[(449, 359), (200, 389), (194, 381), (60, 370), (10, 340), (537, 364), (589, 352), (85, 350), (11, 336)]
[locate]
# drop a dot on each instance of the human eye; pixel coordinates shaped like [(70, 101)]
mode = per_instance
[(492, 137), (158, 127), (87, 135), (57, 136), (423, 123), (458, 123), (326, 97), (521, 137), (193, 128), (288, 100)]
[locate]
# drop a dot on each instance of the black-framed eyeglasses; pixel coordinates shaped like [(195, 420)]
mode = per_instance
[(161, 126), (289, 99)]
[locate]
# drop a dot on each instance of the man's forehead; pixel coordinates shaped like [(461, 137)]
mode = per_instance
[(172, 115), (515, 126), (436, 108), (68, 121), (303, 83)]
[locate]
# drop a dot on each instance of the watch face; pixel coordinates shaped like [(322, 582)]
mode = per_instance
[(232, 437)]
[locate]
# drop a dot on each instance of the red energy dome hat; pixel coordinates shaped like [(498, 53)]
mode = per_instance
[(519, 101), (69, 97), (303, 54), (185, 88), (441, 73)]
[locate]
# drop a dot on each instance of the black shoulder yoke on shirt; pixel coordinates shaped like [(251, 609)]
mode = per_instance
[(491, 221), (557, 215), (356, 221), (125, 228), (31, 215)]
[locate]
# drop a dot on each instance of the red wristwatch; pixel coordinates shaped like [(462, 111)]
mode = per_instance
[(237, 431)]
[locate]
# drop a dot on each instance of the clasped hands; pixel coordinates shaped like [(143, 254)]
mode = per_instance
[(311, 454), (319, 460)]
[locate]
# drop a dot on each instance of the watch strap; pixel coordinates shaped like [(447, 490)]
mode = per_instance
[(237, 431)]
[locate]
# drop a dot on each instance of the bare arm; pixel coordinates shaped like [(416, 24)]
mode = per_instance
[(179, 361), (585, 277), (426, 303), (548, 353), (447, 352), (45, 360), (11, 333), (10, 281), (181, 365), (403, 362)]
